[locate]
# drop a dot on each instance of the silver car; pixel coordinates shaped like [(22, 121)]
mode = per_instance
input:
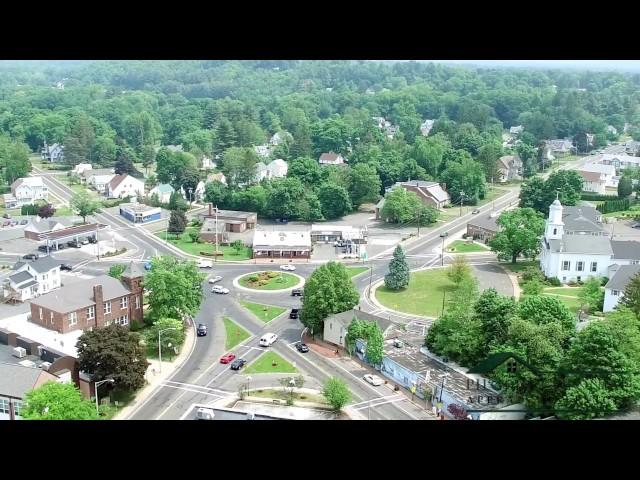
[(220, 289), (215, 279), (374, 380)]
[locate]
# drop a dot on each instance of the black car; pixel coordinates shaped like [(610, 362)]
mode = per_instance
[(31, 256), (92, 239), (238, 363), (202, 330), (302, 347), (74, 244), (43, 248), (66, 266), (60, 246), (296, 292), (295, 313)]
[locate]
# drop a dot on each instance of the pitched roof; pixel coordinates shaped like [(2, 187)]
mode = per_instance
[(596, 245), (163, 188), (42, 226), (599, 168), (117, 180), (133, 270), (581, 219), (330, 157), (345, 318), (590, 176), (486, 221), (622, 277), (17, 380), (28, 181), (44, 264), (625, 249), (20, 277), (97, 172)]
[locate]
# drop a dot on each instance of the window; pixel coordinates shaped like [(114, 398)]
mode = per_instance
[(108, 322), (91, 312), (124, 320), (578, 279), (40, 311), (555, 231), (580, 266), (124, 302), (137, 302), (566, 265), (4, 405), (615, 293), (45, 276), (51, 317), (107, 307), (594, 266), (73, 318), (17, 406)]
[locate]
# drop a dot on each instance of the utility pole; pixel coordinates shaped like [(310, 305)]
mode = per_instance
[(461, 200), (216, 255)]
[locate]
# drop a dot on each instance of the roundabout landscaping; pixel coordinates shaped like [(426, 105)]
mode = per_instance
[(268, 281)]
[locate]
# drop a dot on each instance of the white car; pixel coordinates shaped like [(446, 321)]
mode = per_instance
[(205, 264), (215, 279), (374, 380), (288, 267), (219, 289)]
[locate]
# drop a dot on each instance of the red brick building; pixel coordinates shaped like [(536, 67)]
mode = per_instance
[(95, 303)]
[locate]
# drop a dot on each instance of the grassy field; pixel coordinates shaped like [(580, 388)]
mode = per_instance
[(282, 281), (460, 246), (520, 266), (184, 243), (235, 333), (423, 296), (353, 271), (282, 395), (567, 295), (265, 364), (64, 211), (266, 313)]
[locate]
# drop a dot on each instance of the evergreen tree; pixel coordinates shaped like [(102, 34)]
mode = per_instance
[(625, 187), (398, 276), (631, 297), (177, 222)]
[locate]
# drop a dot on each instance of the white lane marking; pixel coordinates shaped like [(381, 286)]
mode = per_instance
[(374, 400), (193, 390), (193, 405), (398, 399), (199, 386)]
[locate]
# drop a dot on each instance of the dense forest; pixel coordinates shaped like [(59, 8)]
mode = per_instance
[(116, 113)]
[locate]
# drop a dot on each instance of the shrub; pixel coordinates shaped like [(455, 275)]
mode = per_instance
[(554, 282), (531, 273), (272, 274), (572, 283), (254, 278), (263, 282), (135, 326), (604, 281)]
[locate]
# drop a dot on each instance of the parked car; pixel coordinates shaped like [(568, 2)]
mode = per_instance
[(31, 256), (297, 292), (220, 289), (202, 330), (43, 248), (268, 339), (60, 246), (147, 265), (477, 210), (24, 222), (228, 358), (74, 244), (6, 224), (374, 380), (636, 225), (13, 223), (66, 266), (302, 347), (205, 264), (288, 267), (215, 279), (238, 364), (92, 239), (282, 220), (84, 241), (294, 313)]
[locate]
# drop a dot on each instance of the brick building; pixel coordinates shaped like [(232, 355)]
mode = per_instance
[(96, 303), (483, 227)]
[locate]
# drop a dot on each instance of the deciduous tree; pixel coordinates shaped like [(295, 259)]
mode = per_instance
[(84, 205), (57, 401), (336, 392), (519, 234)]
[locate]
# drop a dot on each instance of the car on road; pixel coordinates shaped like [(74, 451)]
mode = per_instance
[(238, 363), (295, 313), (205, 264), (147, 266), (374, 380), (66, 266), (74, 244), (475, 211), (297, 292), (220, 289), (6, 215), (215, 279), (31, 256), (268, 339), (288, 267), (6, 224), (302, 347), (228, 358), (202, 330), (636, 225)]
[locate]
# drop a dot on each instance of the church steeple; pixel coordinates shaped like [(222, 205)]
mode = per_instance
[(555, 226)]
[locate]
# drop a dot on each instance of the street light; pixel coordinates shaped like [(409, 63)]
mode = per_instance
[(160, 345), (248, 383), (443, 236), (108, 380), (461, 200)]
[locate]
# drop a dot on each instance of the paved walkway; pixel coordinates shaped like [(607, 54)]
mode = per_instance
[(155, 378)]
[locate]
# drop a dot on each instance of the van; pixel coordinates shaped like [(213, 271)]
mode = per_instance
[(268, 339), (205, 264)]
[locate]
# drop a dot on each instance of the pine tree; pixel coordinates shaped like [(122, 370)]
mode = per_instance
[(177, 222), (398, 276)]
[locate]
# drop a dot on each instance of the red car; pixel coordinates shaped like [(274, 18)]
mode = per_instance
[(229, 357)]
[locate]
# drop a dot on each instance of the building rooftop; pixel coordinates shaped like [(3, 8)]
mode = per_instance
[(17, 380), (590, 244), (485, 221), (627, 249), (133, 270), (233, 213), (622, 277), (138, 207), (266, 238), (97, 172), (209, 225), (345, 318), (28, 181), (52, 340), (44, 264)]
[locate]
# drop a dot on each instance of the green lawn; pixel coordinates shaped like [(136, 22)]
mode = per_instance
[(64, 211), (423, 296), (184, 243), (265, 364), (235, 333), (520, 266), (353, 271), (280, 282), (266, 313), (567, 295), (14, 212), (460, 246)]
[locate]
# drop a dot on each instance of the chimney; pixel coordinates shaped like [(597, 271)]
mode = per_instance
[(97, 293), (98, 299), (444, 186)]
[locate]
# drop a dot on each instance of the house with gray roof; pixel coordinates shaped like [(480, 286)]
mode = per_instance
[(32, 279), (483, 227), (615, 287), (335, 326), (15, 382)]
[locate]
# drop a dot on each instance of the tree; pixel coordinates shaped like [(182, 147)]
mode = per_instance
[(625, 186), (589, 399), (237, 245), (169, 339), (459, 270), (365, 184), (465, 176), (46, 211), (115, 271), (631, 298), (336, 392), (79, 143), (328, 290), (175, 288), (194, 235), (16, 162), (529, 161), (401, 206), (177, 222), (104, 151), (284, 198), (542, 310), (84, 204), (519, 234), (113, 352), (125, 157), (57, 401), (375, 344), (334, 200), (592, 294), (488, 156), (239, 165), (539, 194), (177, 203), (306, 169), (494, 312), (216, 193), (398, 276)]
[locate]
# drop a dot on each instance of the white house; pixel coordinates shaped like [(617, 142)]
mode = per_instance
[(207, 163), (98, 179), (54, 153), (217, 177), (197, 195), (262, 150), (80, 168), (29, 189), (593, 182), (614, 289), (261, 172), (509, 168), (517, 130), (277, 168), (632, 147), (163, 191), (561, 146), (122, 186), (608, 173), (426, 127), (276, 139), (618, 161), (31, 279), (331, 158), (612, 130)]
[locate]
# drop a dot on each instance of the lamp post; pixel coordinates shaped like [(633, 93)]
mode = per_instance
[(461, 200), (190, 196), (108, 380), (160, 345), (443, 236), (248, 383)]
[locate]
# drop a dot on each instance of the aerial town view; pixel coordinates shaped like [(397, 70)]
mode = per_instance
[(318, 240)]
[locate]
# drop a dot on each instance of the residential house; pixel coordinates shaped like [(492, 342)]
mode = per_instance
[(9, 201), (620, 162), (281, 244), (31, 279), (122, 186), (140, 213), (217, 177), (37, 227), (509, 168), (625, 252), (615, 287), (207, 163), (582, 220), (517, 130), (80, 168), (261, 172), (277, 168), (608, 173), (98, 179), (632, 147), (426, 127), (593, 182), (276, 139), (483, 227), (263, 150), (390, 130), (331, 158), (53, 153), (28, 190), (97, 302), (163, 191), (430, 193), (336, 325), (612, 130), (370, 91), (15, 382), (590, 137), (562, 147)]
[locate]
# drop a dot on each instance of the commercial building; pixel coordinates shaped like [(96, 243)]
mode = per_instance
[(281, 244), (140, 213)]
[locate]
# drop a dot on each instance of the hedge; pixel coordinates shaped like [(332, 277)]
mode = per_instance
[(613, 206), (594, 197)]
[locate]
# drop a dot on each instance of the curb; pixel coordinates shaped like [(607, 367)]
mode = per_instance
[(236, 283)]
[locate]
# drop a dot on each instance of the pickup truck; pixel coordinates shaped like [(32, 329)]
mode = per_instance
[(205, 264)]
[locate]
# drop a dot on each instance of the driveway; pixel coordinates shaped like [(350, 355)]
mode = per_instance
[(490, 275)]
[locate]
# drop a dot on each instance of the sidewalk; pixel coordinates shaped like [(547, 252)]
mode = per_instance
[(154, 378)]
